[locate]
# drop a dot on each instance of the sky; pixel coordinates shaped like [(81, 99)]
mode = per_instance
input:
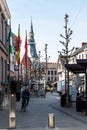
[(48, 23)]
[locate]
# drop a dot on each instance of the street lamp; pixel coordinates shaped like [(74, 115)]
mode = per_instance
[(46, 61), (39, 66)]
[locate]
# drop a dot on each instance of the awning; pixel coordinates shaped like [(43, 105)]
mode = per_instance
[(75, 68), (82, 62)]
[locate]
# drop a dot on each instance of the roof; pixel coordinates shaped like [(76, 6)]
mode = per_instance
[(32, 50), (32, 46), (5, 9), (51, 65), (79, 50)]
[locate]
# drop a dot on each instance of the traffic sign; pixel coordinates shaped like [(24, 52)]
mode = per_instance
[(16, 67)]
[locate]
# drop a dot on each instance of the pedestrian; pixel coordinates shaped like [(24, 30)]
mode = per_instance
[(28, 95), (25, 98), (1, 97), (51, 89)]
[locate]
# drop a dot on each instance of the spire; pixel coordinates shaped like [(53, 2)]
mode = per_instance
[(32, 46), (31, 26), (31, 34)]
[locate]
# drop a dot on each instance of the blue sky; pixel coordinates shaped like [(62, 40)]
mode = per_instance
[(48, 23)]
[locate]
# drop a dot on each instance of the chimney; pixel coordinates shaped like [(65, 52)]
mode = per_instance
[(84, 44), (76, 48)]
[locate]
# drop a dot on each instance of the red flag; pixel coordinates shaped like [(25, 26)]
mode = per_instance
[(18, 46), (26, 50)]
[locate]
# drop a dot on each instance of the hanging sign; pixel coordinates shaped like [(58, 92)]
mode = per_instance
[(16, 67)]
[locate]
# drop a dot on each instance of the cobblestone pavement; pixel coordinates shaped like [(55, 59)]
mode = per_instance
[(29, 120)]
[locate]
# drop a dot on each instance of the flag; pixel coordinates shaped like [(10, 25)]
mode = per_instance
[(10, 41), (18, 45), (26, 49)]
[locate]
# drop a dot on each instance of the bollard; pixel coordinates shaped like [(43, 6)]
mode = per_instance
[(51, 120), (12, 111)]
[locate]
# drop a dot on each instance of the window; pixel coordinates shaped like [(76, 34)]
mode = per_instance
[(48, 72), (60, 66), (48, 78), (73, 60), (55, 72), (82, 56), (6, 72), (2, 28), (6, 34), (79, 56), (1, 69), (51, 72), (55, 78), (51, 78)]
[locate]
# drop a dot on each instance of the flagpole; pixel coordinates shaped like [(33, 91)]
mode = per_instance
[(9, 75), (26, 54), (18, 49), (18, 74), (9, 57), (12, 96)]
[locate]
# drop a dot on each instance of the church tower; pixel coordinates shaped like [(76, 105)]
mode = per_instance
[(32, 46)]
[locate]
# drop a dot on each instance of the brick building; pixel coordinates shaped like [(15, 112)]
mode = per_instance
[(5, 70), (4, 28)]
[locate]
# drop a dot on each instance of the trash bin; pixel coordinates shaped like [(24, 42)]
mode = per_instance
[(78, 103), (63, 100), (70, 100)]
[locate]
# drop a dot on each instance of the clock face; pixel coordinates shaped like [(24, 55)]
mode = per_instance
[(31, 37)]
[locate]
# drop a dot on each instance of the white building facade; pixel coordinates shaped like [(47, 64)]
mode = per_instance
[(76, 80), (52, 72)]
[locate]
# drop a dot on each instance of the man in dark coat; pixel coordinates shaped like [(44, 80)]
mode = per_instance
[(25, 97)]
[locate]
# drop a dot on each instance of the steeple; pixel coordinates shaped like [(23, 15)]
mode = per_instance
[(32, 46), (31, 26), (31, 34)]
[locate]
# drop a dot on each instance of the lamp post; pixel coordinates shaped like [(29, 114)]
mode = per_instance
[(39, 66), (45, 77), (46, 61), (66, 55)]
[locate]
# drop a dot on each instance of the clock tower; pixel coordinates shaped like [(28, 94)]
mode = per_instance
[(32, 46)]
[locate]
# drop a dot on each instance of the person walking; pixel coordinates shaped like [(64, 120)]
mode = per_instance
[(25, 98)]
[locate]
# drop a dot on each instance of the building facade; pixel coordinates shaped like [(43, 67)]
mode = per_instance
[(4, 29), (6, 65), (52, 72), (76, 80)]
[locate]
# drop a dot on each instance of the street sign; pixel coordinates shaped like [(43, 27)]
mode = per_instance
[(16, 67)]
